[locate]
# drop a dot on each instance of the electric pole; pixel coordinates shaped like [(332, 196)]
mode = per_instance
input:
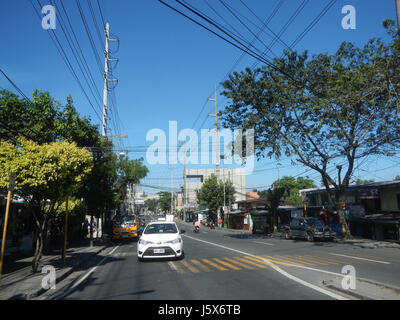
[(216, 130), (106, 80)]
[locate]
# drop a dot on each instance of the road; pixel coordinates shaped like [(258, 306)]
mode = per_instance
[(221, 265)]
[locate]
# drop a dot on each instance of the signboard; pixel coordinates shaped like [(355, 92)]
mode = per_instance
[(368, 193)]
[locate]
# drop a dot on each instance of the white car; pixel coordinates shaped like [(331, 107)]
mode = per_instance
[(160, 239)]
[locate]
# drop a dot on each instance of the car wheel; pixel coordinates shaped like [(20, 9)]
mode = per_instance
[(140, 259), (310, 237), (287, 235)]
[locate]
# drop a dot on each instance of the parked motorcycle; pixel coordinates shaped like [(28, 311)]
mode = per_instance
[(211, 225)]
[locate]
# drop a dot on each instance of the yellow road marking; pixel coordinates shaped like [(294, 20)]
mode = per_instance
[(296, 260), (322, 261), (227, 264), (214, 265), (191, 268), (252, 263), (280, 260), (202, 266), (261, 260), (239, 263)]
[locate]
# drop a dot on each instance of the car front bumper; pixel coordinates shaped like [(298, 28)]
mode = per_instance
[(153, 251)]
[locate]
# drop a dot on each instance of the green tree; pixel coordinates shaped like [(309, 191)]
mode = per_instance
[(165, 201), (273, 197), (326, 111), (45, 175), (291, 188), (211, 194), (130, 172), (152, 204)]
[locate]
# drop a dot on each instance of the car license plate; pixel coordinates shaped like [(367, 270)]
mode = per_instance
[(159, 250), (327, 234), (125, 236)]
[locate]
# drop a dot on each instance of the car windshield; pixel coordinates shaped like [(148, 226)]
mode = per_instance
[(314, 222), (161, 228), (126, 221)]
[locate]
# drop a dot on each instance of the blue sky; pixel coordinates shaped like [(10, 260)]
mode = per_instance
[(168, 65)]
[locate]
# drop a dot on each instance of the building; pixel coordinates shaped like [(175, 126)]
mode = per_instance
[(194, 178), (374, 208)]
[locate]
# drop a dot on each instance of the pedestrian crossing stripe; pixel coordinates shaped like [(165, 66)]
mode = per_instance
[(239, 263), (248, 262), (280, 260), (190, 267), (201, 265), (214, 265), (229, 265)]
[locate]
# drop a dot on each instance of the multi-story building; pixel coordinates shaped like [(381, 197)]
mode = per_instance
[(194, 178)]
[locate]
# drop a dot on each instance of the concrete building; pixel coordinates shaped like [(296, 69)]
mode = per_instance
[(194, 179)]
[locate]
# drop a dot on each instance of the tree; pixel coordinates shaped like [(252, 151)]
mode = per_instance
[(152, 204), (326, 111), (360, 181), (211, 194), (129, 172), (45, 175), (165, 201), (273, 197), (291, 188)]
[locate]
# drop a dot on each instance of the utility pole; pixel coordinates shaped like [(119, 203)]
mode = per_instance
[(172, 194), (216, 130), (106, 80), (184, 180)]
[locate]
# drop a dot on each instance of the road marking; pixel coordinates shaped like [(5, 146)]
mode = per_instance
[(239, 263), (322, 261), (175, 267), (296, 260), (279, 260), (191, 268), (252, 263), (215, 265), (268, 244), (227, 264), (342, 255), (281, 271), (87, 274), (202, 266)]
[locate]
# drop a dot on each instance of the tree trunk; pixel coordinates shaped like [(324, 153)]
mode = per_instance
[(342, 220), (38, 250)]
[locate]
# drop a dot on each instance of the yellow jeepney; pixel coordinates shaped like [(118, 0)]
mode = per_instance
[(125, 227)]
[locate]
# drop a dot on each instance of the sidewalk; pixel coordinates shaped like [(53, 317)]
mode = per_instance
[(19, 283), (365, 289)]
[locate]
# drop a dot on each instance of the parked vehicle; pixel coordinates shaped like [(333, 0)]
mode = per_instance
[(308, 228)]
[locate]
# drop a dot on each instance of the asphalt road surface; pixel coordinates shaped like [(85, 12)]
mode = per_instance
[(229, 266)]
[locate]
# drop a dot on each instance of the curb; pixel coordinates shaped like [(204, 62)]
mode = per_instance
[(347, 292), (36, 293)]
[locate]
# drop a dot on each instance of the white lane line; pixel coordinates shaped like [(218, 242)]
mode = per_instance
[(269, 244), (87, 274), (276, 268), (342, 255)]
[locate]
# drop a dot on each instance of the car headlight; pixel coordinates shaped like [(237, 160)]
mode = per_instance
[(141, 241), (177, 240)]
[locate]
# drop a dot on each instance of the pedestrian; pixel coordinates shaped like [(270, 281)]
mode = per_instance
[(220, 222)]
